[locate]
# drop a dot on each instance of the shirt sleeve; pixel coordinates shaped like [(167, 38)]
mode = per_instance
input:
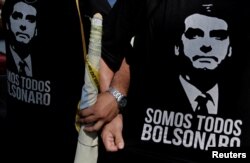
[(118, 30)]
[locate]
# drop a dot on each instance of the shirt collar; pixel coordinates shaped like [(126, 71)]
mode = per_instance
[(192, 93), (17, 59)]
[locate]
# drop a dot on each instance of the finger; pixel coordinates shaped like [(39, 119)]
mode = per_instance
[(109, 141), (119, 141), (96, 127), (85, 112), (89, 119), (83, 119)]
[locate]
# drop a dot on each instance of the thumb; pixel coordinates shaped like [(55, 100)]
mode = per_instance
[(119, 140)]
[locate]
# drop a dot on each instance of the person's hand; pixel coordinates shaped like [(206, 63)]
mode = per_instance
[(112, 135), (103, 111)]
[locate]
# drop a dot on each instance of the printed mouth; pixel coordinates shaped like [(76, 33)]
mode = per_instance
[(22, 35), (206, 59)]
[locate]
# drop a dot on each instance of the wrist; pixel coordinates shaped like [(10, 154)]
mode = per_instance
[(120, 98)]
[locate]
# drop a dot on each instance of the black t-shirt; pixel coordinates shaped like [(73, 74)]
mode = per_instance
[(182, 49), (41, 104)]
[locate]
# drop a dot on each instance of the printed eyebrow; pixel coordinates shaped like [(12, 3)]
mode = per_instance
[(219, 34), (191, 33)]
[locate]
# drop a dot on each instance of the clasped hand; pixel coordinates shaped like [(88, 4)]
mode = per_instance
[(96, 116)]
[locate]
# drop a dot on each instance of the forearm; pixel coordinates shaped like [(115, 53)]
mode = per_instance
[(106, 76), (120, 80)]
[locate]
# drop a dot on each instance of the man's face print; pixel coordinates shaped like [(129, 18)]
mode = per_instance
[(205, 41), (23, 22)]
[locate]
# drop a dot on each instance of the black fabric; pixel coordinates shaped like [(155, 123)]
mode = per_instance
[(159, 121), (117, 33), (41, 108)]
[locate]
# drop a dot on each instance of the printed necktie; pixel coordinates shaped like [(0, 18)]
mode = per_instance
[(22, 66), (202, 103), (111, 2)]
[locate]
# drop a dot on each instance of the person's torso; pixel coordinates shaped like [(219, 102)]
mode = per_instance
[(45, 102), (159, 117)]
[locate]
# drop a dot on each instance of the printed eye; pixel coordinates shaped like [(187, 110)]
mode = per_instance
[(219, 34), (192, 33), (17, 15), (31, 18)]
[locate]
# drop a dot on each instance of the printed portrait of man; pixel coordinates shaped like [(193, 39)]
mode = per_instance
[(203, 49), (22, 25)]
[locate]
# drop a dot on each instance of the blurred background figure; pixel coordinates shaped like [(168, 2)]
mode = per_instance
[(41, 105), (2, 71)]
